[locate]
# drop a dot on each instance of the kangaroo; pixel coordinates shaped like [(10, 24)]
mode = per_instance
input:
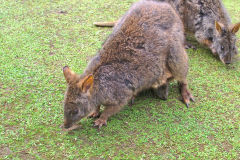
[(209, 21), (145, 50)]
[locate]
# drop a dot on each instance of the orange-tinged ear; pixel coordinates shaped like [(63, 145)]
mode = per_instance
[(235, 28), (218, 26), (69, 75), (87, 83)]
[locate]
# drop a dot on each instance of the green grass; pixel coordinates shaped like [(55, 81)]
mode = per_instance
[(38, 38)]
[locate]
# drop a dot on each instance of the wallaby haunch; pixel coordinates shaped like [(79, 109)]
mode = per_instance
[(209, 21), (144, 51)]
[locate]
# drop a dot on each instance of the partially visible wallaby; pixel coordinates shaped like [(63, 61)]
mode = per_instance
[(211, 24), (144, 51)]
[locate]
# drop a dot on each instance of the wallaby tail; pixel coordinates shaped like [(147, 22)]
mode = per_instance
[(105, 24)]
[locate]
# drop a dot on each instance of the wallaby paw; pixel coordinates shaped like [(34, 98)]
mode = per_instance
[(100, 122), (94, 115), (186, 94), (187, 97), (190, 46)]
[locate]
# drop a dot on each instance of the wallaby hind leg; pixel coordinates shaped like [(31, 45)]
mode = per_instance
[(178, 65)]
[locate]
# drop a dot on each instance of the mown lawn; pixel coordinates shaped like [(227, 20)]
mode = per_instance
[(38, 38)]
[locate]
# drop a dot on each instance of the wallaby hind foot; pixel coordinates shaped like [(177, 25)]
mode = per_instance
[(186, 95)]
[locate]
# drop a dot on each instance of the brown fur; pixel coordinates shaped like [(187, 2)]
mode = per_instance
[(144, 51)]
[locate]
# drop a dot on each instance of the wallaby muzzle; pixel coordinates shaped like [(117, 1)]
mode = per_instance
[(227, 59), (67, 124)]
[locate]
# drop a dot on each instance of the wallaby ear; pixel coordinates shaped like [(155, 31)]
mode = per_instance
[(235, 28), (218, 26), (87, 83), (69, 75)]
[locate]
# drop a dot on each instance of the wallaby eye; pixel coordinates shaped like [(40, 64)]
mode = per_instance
[(73, 112), (222, 48)]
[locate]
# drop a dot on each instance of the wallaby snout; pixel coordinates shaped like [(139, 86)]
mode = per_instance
[(228, 59), (67, 124)]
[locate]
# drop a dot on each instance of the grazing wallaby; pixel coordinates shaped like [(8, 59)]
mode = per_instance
[(210, 22), (144, 51)]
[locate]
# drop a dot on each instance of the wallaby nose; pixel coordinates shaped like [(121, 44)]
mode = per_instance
[(228, 59), (66, 124)]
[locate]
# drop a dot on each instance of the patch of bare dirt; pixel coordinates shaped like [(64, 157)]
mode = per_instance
[(211, 137), (52, 47), (201, 147), (227, 146), (25, 155), (4, 151), (11, 128)]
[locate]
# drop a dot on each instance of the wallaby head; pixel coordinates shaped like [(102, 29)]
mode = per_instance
[(77, 102), (224, 42)]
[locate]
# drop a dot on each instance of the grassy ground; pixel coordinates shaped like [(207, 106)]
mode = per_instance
[(38, 38)]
